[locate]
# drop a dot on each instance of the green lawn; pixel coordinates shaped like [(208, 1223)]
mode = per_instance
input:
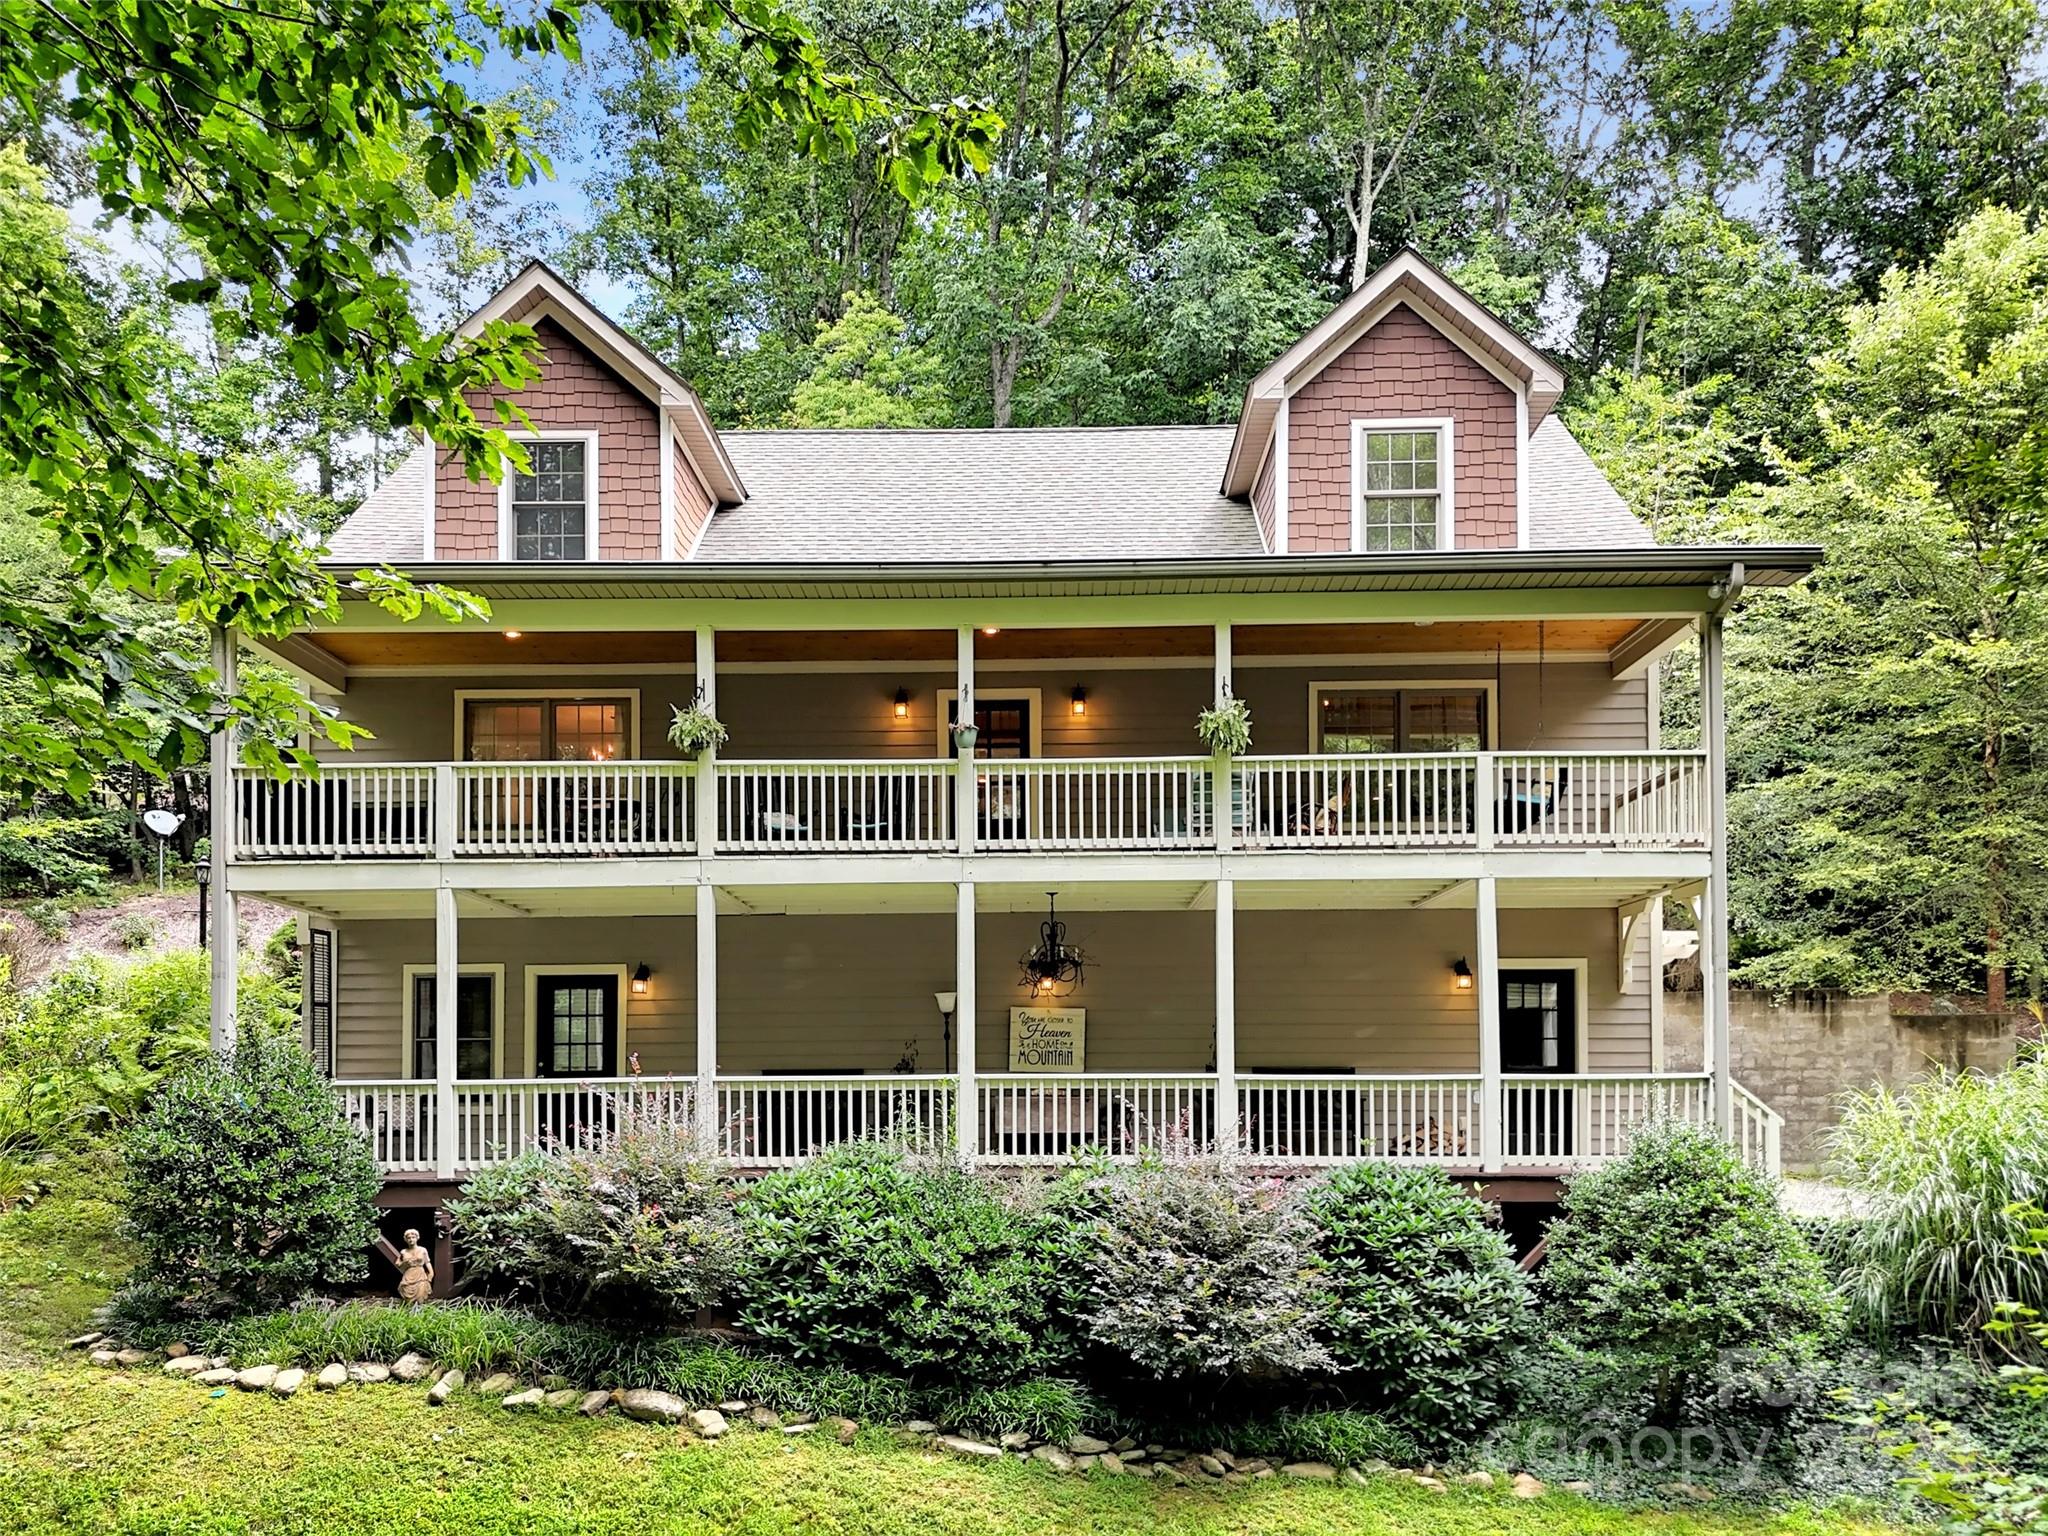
[(87, 1450)]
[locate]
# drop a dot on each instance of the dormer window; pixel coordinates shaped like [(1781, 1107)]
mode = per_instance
[(1401, 486), (550, 513)]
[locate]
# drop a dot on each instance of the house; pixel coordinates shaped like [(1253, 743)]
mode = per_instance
[(1416, 920)]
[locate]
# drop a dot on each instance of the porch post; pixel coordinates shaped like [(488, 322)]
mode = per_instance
[(964, 787), (446, 980), (707, 771), (1487, 980), (707, 1018), (1226, 1017), (963, 1021), (1220, 766), (1714, 914), (226, 947)]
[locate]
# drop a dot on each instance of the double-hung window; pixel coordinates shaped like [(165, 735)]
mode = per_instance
[(551, 504), (1401, 486)]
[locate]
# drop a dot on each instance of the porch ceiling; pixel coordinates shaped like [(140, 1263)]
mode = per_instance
[(849, 899)]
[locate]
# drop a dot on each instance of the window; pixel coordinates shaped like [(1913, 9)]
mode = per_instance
[(320, 999), (475, 1020), (1401, 486), (551, 506), (568, 730), (1363, 718)]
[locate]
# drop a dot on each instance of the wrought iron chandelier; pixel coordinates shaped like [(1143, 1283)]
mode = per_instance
[(1053, 966)]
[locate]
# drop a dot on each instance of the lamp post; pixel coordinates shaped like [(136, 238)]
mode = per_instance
[(947, 1002), (204, 876)]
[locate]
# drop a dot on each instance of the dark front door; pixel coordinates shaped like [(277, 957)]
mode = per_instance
[(576, 1026), (1539, 1011)]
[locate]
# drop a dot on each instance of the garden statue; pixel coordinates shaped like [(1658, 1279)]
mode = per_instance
[(415, 1269)]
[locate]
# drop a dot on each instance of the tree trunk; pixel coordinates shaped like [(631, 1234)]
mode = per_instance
[(1004, 359)]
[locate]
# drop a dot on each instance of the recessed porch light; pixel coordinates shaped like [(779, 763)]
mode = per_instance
[(513, 634)]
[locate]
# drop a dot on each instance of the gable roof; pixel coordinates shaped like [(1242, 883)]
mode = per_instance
[(1407, 279), (538, 290), (977, 494)]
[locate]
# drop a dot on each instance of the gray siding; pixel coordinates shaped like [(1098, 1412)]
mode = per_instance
[(1315, 989)]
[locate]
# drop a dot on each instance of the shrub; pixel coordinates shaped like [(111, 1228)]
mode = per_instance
[(642, 1225), (1197, 1272), (135, 930), (1676, 1253), (1941, 1170), (1343, 1437), (56, 855), (246, 1184), (1423, 1307), (870, 1257)]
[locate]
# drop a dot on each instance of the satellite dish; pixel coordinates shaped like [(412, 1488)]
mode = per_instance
[(162, 823)]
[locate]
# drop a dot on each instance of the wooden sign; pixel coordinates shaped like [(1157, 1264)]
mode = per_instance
[(1048, 1039)]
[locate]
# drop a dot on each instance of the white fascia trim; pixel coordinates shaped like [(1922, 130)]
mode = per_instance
[(1521, 469), (427, 497), (1447, 479), (409, 974), (668, 486), (1280, 432), (593, 517)]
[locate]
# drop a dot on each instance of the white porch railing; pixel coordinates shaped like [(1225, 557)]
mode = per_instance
[(1326, 1119), (1080, 803), (1043, 1118), (772, 1121), (353, 810), (510, 809), (1550, 1121), (1759, 1132), (835, 807), (1361, 800), (1601, 799), (497, 1119), (400, 1120)]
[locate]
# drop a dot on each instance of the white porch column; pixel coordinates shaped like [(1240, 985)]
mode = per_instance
[(1486, 979), (707, 772), (1219, 767), (447, 971), (226, 934), (1714, 913), (963, 1021), (965, 790), (707, 1018), (1226, 1017)]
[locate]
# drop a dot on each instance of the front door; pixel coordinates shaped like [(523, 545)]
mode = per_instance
[(1539, 1011), (576, 1026)]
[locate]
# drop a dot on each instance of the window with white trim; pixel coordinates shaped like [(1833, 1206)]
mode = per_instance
[(551, 505), (1400, 489)]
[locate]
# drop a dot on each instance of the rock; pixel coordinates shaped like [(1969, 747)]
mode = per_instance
[(1313, 1471), (519, 1402), (799, 1429), (1433, 1484), (1254, 1466), (285, 1383), (103, 1357), (1689, 1491), (1354, 1478), (920, 1427), (1133, 1456), (1084, 1463), (187, 1365), (498, 1383), (257, 1378), (653, 1407), (1167, 1474), (1235, 1479), (733, 1407), (1526, 1486), (594, 1403), (1577, 1485), (1053, 1457), (177, 1351), (84, 1341), (843, 1429), (219, 1376), (221, 1362), (331, 1377), (1229, 1461), (1111, 1463), (960, 1445), (1015, 1440), (449, 1384), (411, 1367), (1155, 1450), (1123, 1444), (1087, 1445), (709, 1422), (1477, 1479), (368, 1373), (562, 1400), (1213, 1465), (131, 1357), (761, 1416)]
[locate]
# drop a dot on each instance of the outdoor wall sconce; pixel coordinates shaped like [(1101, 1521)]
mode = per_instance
[(902, 703), (639, 982), (1461, 974), (1080, 700)]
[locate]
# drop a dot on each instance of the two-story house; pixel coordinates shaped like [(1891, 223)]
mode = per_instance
[(963, 871)]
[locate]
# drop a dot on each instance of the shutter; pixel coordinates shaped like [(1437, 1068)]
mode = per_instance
[(320, 999)]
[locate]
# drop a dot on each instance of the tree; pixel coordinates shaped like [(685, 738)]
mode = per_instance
[(866, 374), (270, 139)]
